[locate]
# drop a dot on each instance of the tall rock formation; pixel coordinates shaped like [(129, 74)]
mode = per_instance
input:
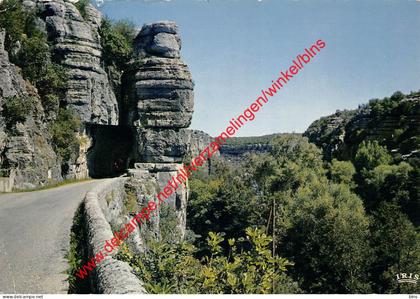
[(76, 46), (26, 156), (161, 108), (163, 102)]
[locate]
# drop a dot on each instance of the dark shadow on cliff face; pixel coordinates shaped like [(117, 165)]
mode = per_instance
[(111, 151)]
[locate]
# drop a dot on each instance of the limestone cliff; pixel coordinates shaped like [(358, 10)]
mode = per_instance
[(198, 141), (76, 46), (151, 138), (26, 156), (393, 121)]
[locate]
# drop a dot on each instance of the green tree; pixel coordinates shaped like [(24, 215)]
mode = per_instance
[(81, 6), (397, 249), (48, 77), (390, 183), (117, 42), (276, 176), (17, 22), (298, 150), (342, 172), (371, 154), (222, 202), (328, 239)]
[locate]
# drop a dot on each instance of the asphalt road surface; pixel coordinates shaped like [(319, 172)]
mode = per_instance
[(34, 238)]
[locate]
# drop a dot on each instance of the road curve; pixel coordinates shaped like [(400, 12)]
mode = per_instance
[(34, 238)]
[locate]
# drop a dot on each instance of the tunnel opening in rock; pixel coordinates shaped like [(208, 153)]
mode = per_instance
[(111, 152)]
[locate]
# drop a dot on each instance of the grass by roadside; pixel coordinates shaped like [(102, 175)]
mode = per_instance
[(77, 254)]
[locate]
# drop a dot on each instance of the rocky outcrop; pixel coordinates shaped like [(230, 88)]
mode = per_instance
[(198, 141), (160, 109), (394, 122), (328, 132), (76, 46), (163, 99), (25, 149), (146, 181), (236, 148), (235, 153)]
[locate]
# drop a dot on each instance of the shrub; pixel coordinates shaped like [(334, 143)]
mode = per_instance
[(48, 77), (130, 203), (116, 42), (64, 133), (396, 247), (81, 7), (17, 22), (172, 268), (15, 110), (77, 254), (328, 239)]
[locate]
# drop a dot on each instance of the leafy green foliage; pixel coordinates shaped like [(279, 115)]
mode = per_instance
[(116, 41), (319, 225), (328, 239), (386, 105), (33, 53), (49, 78), (315, 213), (265, 139), (15, 109), (388, 183), (396, 247), (130, 203), (342, 172), (64, 133), (171, 268), (378, 181), (370, 154), (221, 202), (81, 6), (18, 23), (168, 229)]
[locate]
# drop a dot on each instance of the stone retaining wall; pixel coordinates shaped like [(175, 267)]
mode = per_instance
[(111, 276)]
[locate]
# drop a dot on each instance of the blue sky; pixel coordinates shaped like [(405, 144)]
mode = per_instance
[(234, 48)]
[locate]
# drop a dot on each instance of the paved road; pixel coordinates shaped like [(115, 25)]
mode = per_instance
[(34, 237)]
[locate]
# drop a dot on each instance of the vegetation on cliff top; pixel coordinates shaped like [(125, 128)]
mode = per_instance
[(117, 43), (393, 121), (81, 6)]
